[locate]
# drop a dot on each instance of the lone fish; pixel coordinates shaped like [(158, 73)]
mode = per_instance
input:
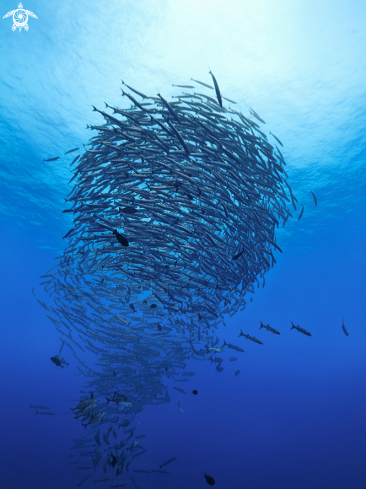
[(269, 328), (250, 337), (121, 239), (210, 480), (217, 90), (128, 210), (301, 213), (299, 328), (314, 196), (168, 462), (71, 151), (59, 361), (238, 255), (344, 328), (52, 159)]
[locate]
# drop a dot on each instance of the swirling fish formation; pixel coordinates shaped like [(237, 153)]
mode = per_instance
[(175, 207), (196, 196)]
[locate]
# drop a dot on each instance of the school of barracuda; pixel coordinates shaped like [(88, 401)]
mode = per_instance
[(175, 207)]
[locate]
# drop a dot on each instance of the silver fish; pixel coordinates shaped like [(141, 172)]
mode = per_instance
[(269, 328), (249, 337), (299, 328)]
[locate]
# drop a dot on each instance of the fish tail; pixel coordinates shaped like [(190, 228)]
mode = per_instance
[(108, 401), (261, 326)]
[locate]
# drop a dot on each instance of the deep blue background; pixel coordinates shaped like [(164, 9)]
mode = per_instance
[(295, 416)]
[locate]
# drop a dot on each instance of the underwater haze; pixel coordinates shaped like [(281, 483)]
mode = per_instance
[(286, 414)]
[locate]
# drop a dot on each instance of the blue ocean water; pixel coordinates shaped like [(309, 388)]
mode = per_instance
[(295, 416)]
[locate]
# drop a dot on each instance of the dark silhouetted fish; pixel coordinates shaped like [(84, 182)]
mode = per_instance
[(314, 197), (210, 480), (276, 138), (269, 328), (234, 347), (217, 90), (235, 257), (52, 159), (59, 361), (128, 210), (71, 151), (301, 213), (117, 398), (249, 337), (168, 462), (179, 389), (344, 328), (299, 328), (121, 239), (96, 418), (97, 437)]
